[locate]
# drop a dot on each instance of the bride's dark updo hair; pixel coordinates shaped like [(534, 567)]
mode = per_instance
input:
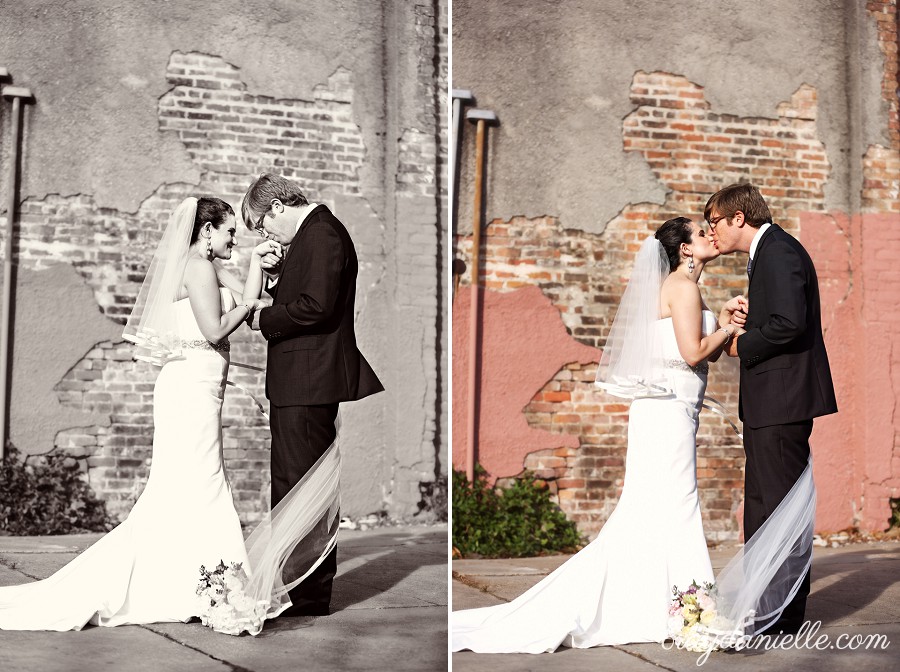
[(210, 209), (672, 234)]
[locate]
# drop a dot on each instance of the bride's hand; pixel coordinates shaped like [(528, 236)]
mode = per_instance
[(268, 247), (270, 255), (734, 312), (736, 303)]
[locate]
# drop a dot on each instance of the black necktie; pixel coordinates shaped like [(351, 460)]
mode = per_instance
[(749, 266)]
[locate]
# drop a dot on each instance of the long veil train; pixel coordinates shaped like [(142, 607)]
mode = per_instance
[(297, 535), (765, 575)]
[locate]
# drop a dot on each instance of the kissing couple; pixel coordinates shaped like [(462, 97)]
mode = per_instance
[(619, 588), (148, 568)]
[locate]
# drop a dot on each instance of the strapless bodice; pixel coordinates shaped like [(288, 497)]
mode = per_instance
[(668, 345), (189, 330)]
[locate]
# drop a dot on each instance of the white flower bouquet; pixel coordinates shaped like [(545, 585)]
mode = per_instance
[(224, 605), (691, 613)]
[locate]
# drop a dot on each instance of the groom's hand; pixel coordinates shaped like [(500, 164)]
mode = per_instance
[(253, 319), (731, 348), (734, 312), (271, 261), (739, 319)]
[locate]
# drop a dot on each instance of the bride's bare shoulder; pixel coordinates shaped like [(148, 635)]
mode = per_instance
[(678, 289), (678, 284), (199, 268)]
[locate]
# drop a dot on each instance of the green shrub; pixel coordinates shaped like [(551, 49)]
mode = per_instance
[(49, 496), (512, 522)]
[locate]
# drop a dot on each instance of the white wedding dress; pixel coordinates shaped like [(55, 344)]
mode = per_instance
[(146, 570), (617, 589)]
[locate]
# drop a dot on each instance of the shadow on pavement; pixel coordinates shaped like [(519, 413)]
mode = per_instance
[(863, 583), (386, 561)]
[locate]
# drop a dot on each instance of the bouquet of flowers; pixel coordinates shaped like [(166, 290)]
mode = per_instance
[(224, 605), (691, 613)]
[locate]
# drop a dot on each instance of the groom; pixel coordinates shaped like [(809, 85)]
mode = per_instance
[(785, 378), (313, 362)]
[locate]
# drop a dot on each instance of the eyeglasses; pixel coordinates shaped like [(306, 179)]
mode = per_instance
[(715, 220), (260, 228)]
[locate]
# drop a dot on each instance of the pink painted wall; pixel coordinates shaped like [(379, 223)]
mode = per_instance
[(857, 452), (523, 345)]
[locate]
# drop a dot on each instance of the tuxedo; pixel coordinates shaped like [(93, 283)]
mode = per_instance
[(785, 375), (312, 356), (313, 365), (785, 382)]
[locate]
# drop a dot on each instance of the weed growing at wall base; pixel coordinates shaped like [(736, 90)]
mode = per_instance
[(47, 494), (433, 500), (517, 521)]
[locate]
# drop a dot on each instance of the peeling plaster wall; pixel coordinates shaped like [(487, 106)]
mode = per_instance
[(558, 77), (62, 324), (96, 69), (139, 104), (614, 118)]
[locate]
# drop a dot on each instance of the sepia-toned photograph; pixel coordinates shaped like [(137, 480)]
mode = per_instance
[(225, 335), (674, 237)]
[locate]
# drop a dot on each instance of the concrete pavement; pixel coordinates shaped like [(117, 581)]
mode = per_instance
[(389, 613), (855, 591)]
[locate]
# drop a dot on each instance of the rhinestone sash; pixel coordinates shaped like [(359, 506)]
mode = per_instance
[(681, 365), (203, 344)]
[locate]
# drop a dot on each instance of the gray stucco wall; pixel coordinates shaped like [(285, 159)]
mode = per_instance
[(558, 76), (97, 68)]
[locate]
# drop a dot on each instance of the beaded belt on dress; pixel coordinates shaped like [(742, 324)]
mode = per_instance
[(681, 365), (203, 344)]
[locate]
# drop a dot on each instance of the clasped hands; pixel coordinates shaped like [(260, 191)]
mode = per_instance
[(734, 314), (271, 254)]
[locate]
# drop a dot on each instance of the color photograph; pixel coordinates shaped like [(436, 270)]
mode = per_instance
[(675, 230)]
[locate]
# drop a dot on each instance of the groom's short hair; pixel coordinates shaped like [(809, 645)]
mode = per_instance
[(267, 187), (744, 197)]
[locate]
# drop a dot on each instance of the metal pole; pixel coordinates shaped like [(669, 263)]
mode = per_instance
[(461, 97), (481, 118), (17, 95)]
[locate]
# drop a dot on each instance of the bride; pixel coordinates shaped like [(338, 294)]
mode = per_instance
[(147, 569), (616, 590)]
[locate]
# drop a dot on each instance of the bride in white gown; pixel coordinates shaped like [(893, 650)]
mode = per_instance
[(617, 589), (147, 568)]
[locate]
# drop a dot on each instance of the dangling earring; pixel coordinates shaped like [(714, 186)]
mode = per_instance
[(209, 252), (690, 264)]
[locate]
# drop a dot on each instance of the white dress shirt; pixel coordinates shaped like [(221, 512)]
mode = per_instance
[(757, 238)]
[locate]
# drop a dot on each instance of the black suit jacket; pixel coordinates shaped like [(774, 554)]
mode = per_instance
[(785, 375), (313, 358)]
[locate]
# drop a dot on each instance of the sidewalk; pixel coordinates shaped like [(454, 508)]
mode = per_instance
[(855, 590), (389, 612)]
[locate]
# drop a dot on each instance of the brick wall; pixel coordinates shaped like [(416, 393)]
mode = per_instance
[(420, 202), (881, 164), (693, 150), (232, 135)]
